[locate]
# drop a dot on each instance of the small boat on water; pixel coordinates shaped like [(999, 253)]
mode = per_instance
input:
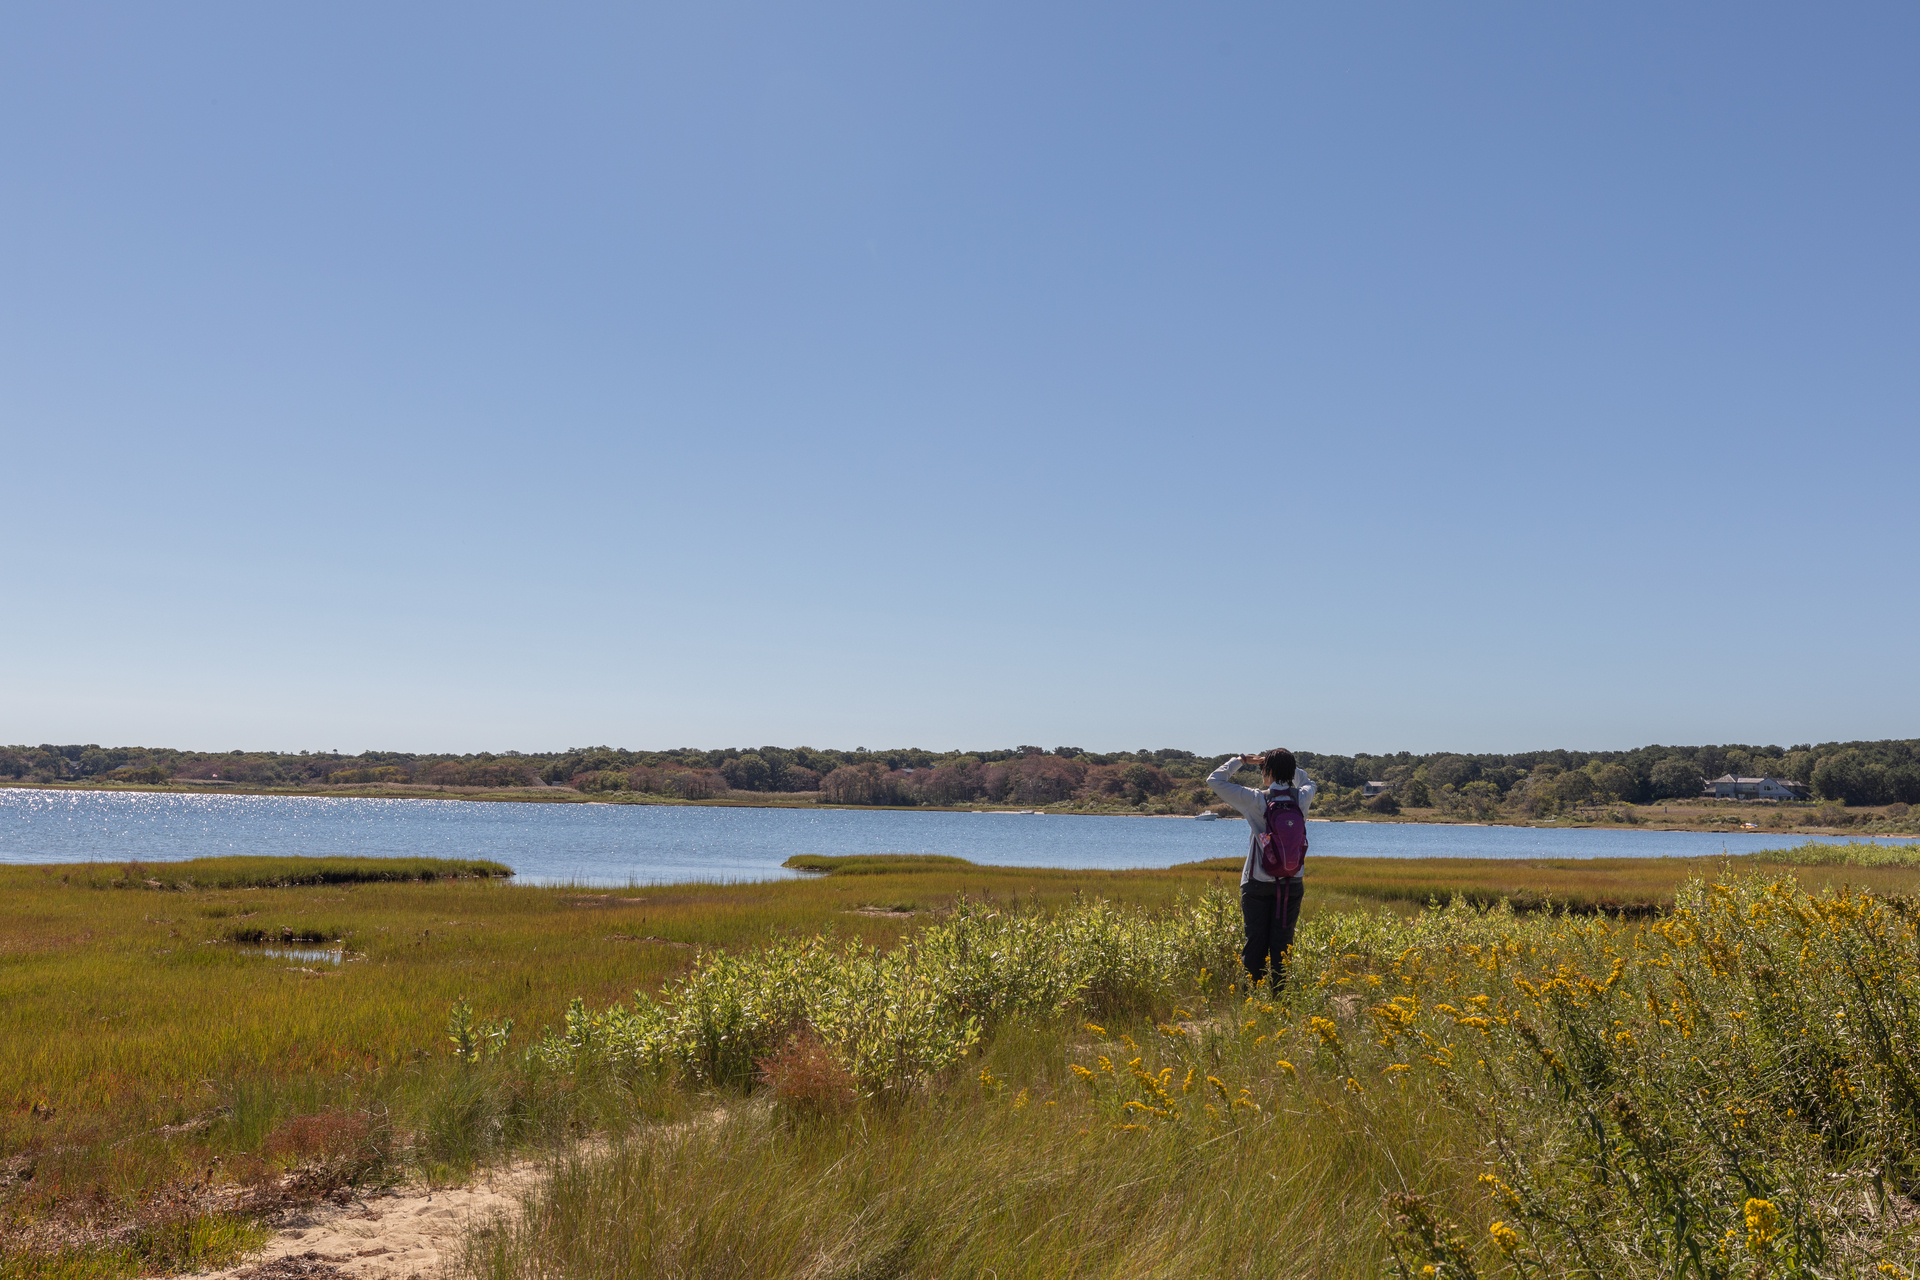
[(1206, 815)]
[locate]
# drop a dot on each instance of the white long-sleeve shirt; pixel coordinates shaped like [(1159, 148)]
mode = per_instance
[(1253, 807)]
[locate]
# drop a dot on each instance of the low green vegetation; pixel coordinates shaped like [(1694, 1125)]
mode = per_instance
[(1638, 886), (244, 872), (1855, 853), (872, 864), (166, 1243), (920, 1066)]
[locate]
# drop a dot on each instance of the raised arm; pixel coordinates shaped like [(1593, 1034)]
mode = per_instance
[(1248, 801)]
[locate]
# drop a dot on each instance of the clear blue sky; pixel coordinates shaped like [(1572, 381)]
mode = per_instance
[(1355, 377)]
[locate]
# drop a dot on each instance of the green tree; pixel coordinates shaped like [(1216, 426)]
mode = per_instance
[(1147, 780), (1574, 787), (749, 772), (1616, 782), (1535, 797), (1482, 798), (1850, 777), (1675, 777), (1451, 771)]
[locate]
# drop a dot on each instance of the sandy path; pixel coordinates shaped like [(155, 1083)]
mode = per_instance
[(390, 1235)]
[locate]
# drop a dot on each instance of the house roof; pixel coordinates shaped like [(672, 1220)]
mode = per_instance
[(1781, 782)]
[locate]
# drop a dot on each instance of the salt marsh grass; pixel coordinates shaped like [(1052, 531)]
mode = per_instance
[(1724, 1091), (937, 1068), (1855, 853), (141, 1036)]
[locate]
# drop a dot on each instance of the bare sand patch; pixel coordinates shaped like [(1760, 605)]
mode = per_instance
[(396, 1234)]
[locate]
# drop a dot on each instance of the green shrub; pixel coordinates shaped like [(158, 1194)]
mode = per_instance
[(369, 773), (896, 1017)]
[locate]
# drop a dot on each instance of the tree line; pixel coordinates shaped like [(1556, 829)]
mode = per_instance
[(1852, 773), (1855, 773)]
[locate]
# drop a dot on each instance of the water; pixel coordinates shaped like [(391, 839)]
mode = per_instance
[(622, 844), (305, 954)]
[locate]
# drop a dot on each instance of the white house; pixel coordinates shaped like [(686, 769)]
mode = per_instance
[(1728, 787)]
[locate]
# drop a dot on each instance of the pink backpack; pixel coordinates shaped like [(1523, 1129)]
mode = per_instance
[(1283, 846)]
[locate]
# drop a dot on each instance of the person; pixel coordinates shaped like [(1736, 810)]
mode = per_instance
[(1269, 934)]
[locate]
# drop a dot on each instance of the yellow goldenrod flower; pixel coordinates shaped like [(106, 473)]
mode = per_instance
[(1763, 1224), (1508, 1196), (1505, 1236)]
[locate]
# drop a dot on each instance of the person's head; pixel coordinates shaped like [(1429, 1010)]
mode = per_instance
[(1279, 766)]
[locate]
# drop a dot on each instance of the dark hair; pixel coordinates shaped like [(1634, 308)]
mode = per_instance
[(1279, 766)]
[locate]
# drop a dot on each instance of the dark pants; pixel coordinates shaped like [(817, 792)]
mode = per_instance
[(1268, 932)]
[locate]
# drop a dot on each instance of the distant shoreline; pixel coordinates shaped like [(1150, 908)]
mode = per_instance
[(802, 800)]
